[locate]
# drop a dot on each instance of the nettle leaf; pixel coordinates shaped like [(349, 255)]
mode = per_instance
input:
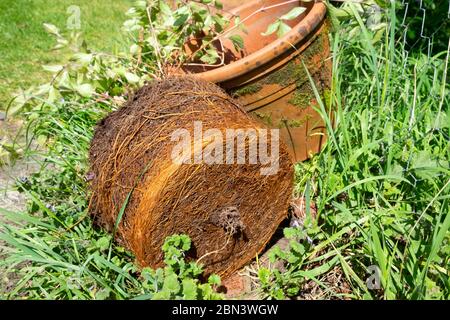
[(297, 247), (294, 13), (290, 233), (103, 243), (220, 23), (238, 42), (214, 279), (189, 289), (218, 4), (272, 28), (264, 276), (171, 283), (185, 242)]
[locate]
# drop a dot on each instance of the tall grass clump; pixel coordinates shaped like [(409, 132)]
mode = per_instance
[(381, 186)]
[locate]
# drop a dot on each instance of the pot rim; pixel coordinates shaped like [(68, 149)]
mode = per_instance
[(249, 63)]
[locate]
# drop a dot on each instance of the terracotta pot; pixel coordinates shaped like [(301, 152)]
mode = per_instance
[(230, 4), (269, 79)]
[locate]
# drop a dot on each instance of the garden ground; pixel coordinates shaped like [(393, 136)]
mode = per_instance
[(26, 46), (381, 188)]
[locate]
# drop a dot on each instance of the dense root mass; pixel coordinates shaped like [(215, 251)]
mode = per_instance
[(230, 210)]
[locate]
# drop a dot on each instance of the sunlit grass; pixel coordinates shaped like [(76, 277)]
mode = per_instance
[(25, 46)]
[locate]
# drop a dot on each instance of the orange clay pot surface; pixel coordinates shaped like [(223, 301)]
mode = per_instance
[(268, 77)]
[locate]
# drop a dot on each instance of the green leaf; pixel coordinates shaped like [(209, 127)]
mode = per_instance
[(134, 50), (297, 247), (294, 13), (276, 253), (290, 233), (422, 160), (103, 243), (161, 295), (171, 284), (238, 42), (272, 28), (185, 242), (293, 291), (189, 289), (85, 90), (51, 28), (210, 56), (102, 294), (264, 275), (283, 29), (181, 20), (164, 7), (52, 68), (214, 279), (83, 58), (220, 22), (131, 77)]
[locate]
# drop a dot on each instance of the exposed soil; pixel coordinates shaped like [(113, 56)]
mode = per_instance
[(11, 199), (11, 169)]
